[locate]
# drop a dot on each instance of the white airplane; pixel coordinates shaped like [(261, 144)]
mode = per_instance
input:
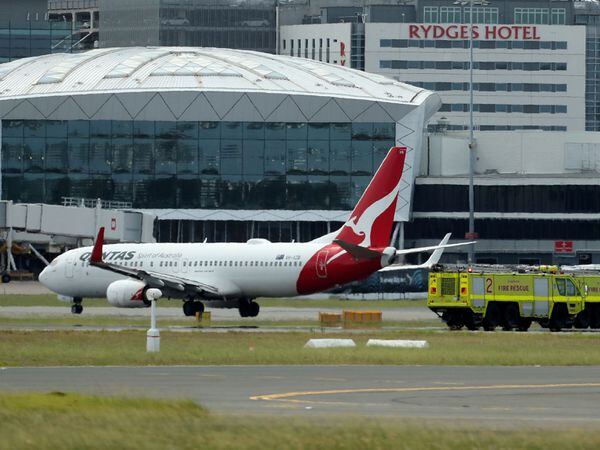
[(232, 275)]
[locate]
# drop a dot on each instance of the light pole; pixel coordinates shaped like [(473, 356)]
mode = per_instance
[(471, 234)]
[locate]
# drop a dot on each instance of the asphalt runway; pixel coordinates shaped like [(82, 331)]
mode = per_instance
[(478, 395), (275, 314)]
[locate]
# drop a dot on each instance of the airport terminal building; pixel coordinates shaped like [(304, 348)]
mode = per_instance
[(222, 144)]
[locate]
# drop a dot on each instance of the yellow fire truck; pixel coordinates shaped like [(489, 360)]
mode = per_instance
[(506, 297), (589, 284)]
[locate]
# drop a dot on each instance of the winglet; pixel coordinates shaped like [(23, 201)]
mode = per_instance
[(97, 251), (437, 253)]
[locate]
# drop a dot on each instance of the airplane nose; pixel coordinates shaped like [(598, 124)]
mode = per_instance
[(44, 276)]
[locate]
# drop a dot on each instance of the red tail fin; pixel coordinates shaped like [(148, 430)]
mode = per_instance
[(370, 223), (97, 250)]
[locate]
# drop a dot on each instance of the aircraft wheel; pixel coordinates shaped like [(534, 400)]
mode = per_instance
[(189, 309), (247, 309), (198, 307), (254, 309), (6, 278), (77, 308)]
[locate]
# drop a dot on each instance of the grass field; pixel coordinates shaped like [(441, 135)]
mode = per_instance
[(69, 421), (51, 300), (40, 348)]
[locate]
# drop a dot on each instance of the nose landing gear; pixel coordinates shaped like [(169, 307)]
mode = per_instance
[(77, 307)]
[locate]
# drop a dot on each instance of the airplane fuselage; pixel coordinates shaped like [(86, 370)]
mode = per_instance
[(257, 269)]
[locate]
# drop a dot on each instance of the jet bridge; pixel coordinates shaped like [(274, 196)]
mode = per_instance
[(34, 232)]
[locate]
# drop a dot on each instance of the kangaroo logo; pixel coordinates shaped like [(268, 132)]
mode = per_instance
[(362, 224)]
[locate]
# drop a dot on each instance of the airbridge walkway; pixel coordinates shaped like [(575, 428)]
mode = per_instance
[(39, 229)]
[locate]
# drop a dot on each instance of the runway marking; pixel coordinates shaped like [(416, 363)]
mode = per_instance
[(329, 379), (289, 396)]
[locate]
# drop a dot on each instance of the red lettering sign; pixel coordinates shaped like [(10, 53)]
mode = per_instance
[(489, 32), (563, 246), (413, 32)]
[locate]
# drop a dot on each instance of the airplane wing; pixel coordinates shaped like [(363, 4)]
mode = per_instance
[(433, 259), (160, 280)]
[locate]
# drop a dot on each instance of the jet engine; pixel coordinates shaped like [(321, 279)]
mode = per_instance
[(387, 256), (127, 294)]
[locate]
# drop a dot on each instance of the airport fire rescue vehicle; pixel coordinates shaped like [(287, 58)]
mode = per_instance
[(512, 297)]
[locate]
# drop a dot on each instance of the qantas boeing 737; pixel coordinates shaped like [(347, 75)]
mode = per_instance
[(232, 275)]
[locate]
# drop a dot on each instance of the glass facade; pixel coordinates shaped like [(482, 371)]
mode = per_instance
[(557, 198), (454, 14), (504, 108), (238, 165), (464, 44), (33, 39), (214, 24), (477, 65), (489, 87), (592, 70), (540, 16)]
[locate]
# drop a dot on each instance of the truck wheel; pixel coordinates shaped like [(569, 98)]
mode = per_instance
[(511, 316), (470, 323), (583, 319), (524, 324), (491, 319), (559, 317), (453, 319), (594, 316)]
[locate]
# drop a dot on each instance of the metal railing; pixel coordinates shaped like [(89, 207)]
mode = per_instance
[(94, 203)]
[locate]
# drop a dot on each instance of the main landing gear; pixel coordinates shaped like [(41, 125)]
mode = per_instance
[(248, 308), (191, 307), (77, 307)]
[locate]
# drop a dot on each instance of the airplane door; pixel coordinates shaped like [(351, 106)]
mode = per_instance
[(69, 264), (322, 264), (184, 268)]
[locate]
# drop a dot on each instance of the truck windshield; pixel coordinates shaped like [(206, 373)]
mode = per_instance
[(565, 286), (571, 288)]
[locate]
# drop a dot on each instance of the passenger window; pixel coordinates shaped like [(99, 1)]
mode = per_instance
[(560, 286)]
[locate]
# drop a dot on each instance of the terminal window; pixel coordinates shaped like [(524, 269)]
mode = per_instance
[(251, 165), (540, 16)]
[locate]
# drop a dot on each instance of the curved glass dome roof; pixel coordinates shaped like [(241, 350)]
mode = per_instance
[(158, 69)]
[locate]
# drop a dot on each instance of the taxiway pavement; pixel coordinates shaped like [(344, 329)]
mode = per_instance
[(476, 395)]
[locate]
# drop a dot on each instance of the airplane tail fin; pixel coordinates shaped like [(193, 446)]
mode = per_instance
[(370, 223)]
